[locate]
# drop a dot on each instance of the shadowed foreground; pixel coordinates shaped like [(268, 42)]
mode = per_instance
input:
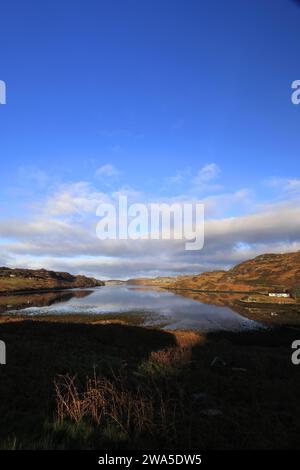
[(83, 385)]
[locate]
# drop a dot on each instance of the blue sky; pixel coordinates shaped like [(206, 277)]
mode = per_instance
[(152, 93)]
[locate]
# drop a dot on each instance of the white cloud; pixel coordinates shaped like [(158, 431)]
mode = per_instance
[(289, 185), (207, 173), (180, 177), (74, 198), (107, 171), (71, 245), (61, 233), (202, 182)]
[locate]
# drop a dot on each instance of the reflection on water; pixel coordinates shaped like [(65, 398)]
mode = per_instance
[(178, 311), (22, 301)]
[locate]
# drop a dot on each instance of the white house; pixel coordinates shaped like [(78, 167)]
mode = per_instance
[(279, 294)]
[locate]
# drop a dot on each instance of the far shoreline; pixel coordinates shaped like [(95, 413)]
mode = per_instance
[(44, 291)]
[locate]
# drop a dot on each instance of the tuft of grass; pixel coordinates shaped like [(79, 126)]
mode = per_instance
[(163, 364), (119, 412), (170, 362)]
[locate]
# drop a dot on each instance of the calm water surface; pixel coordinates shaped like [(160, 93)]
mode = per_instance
[(160, 307)]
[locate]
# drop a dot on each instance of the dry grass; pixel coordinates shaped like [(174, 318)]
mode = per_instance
[(170, 361), (136, 410), (146, 388), (188, 339), (135, 414)]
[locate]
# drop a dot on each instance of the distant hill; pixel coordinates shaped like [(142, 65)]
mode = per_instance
[(261, 274), (114, 282), (147, 281), (27, 280)]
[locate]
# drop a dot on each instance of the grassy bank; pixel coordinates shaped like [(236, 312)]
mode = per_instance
[(118, 385)]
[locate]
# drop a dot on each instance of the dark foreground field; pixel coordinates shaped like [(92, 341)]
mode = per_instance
[(90, 385)]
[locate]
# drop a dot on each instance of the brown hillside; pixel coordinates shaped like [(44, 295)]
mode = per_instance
[(261, 274), (15, 280)]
